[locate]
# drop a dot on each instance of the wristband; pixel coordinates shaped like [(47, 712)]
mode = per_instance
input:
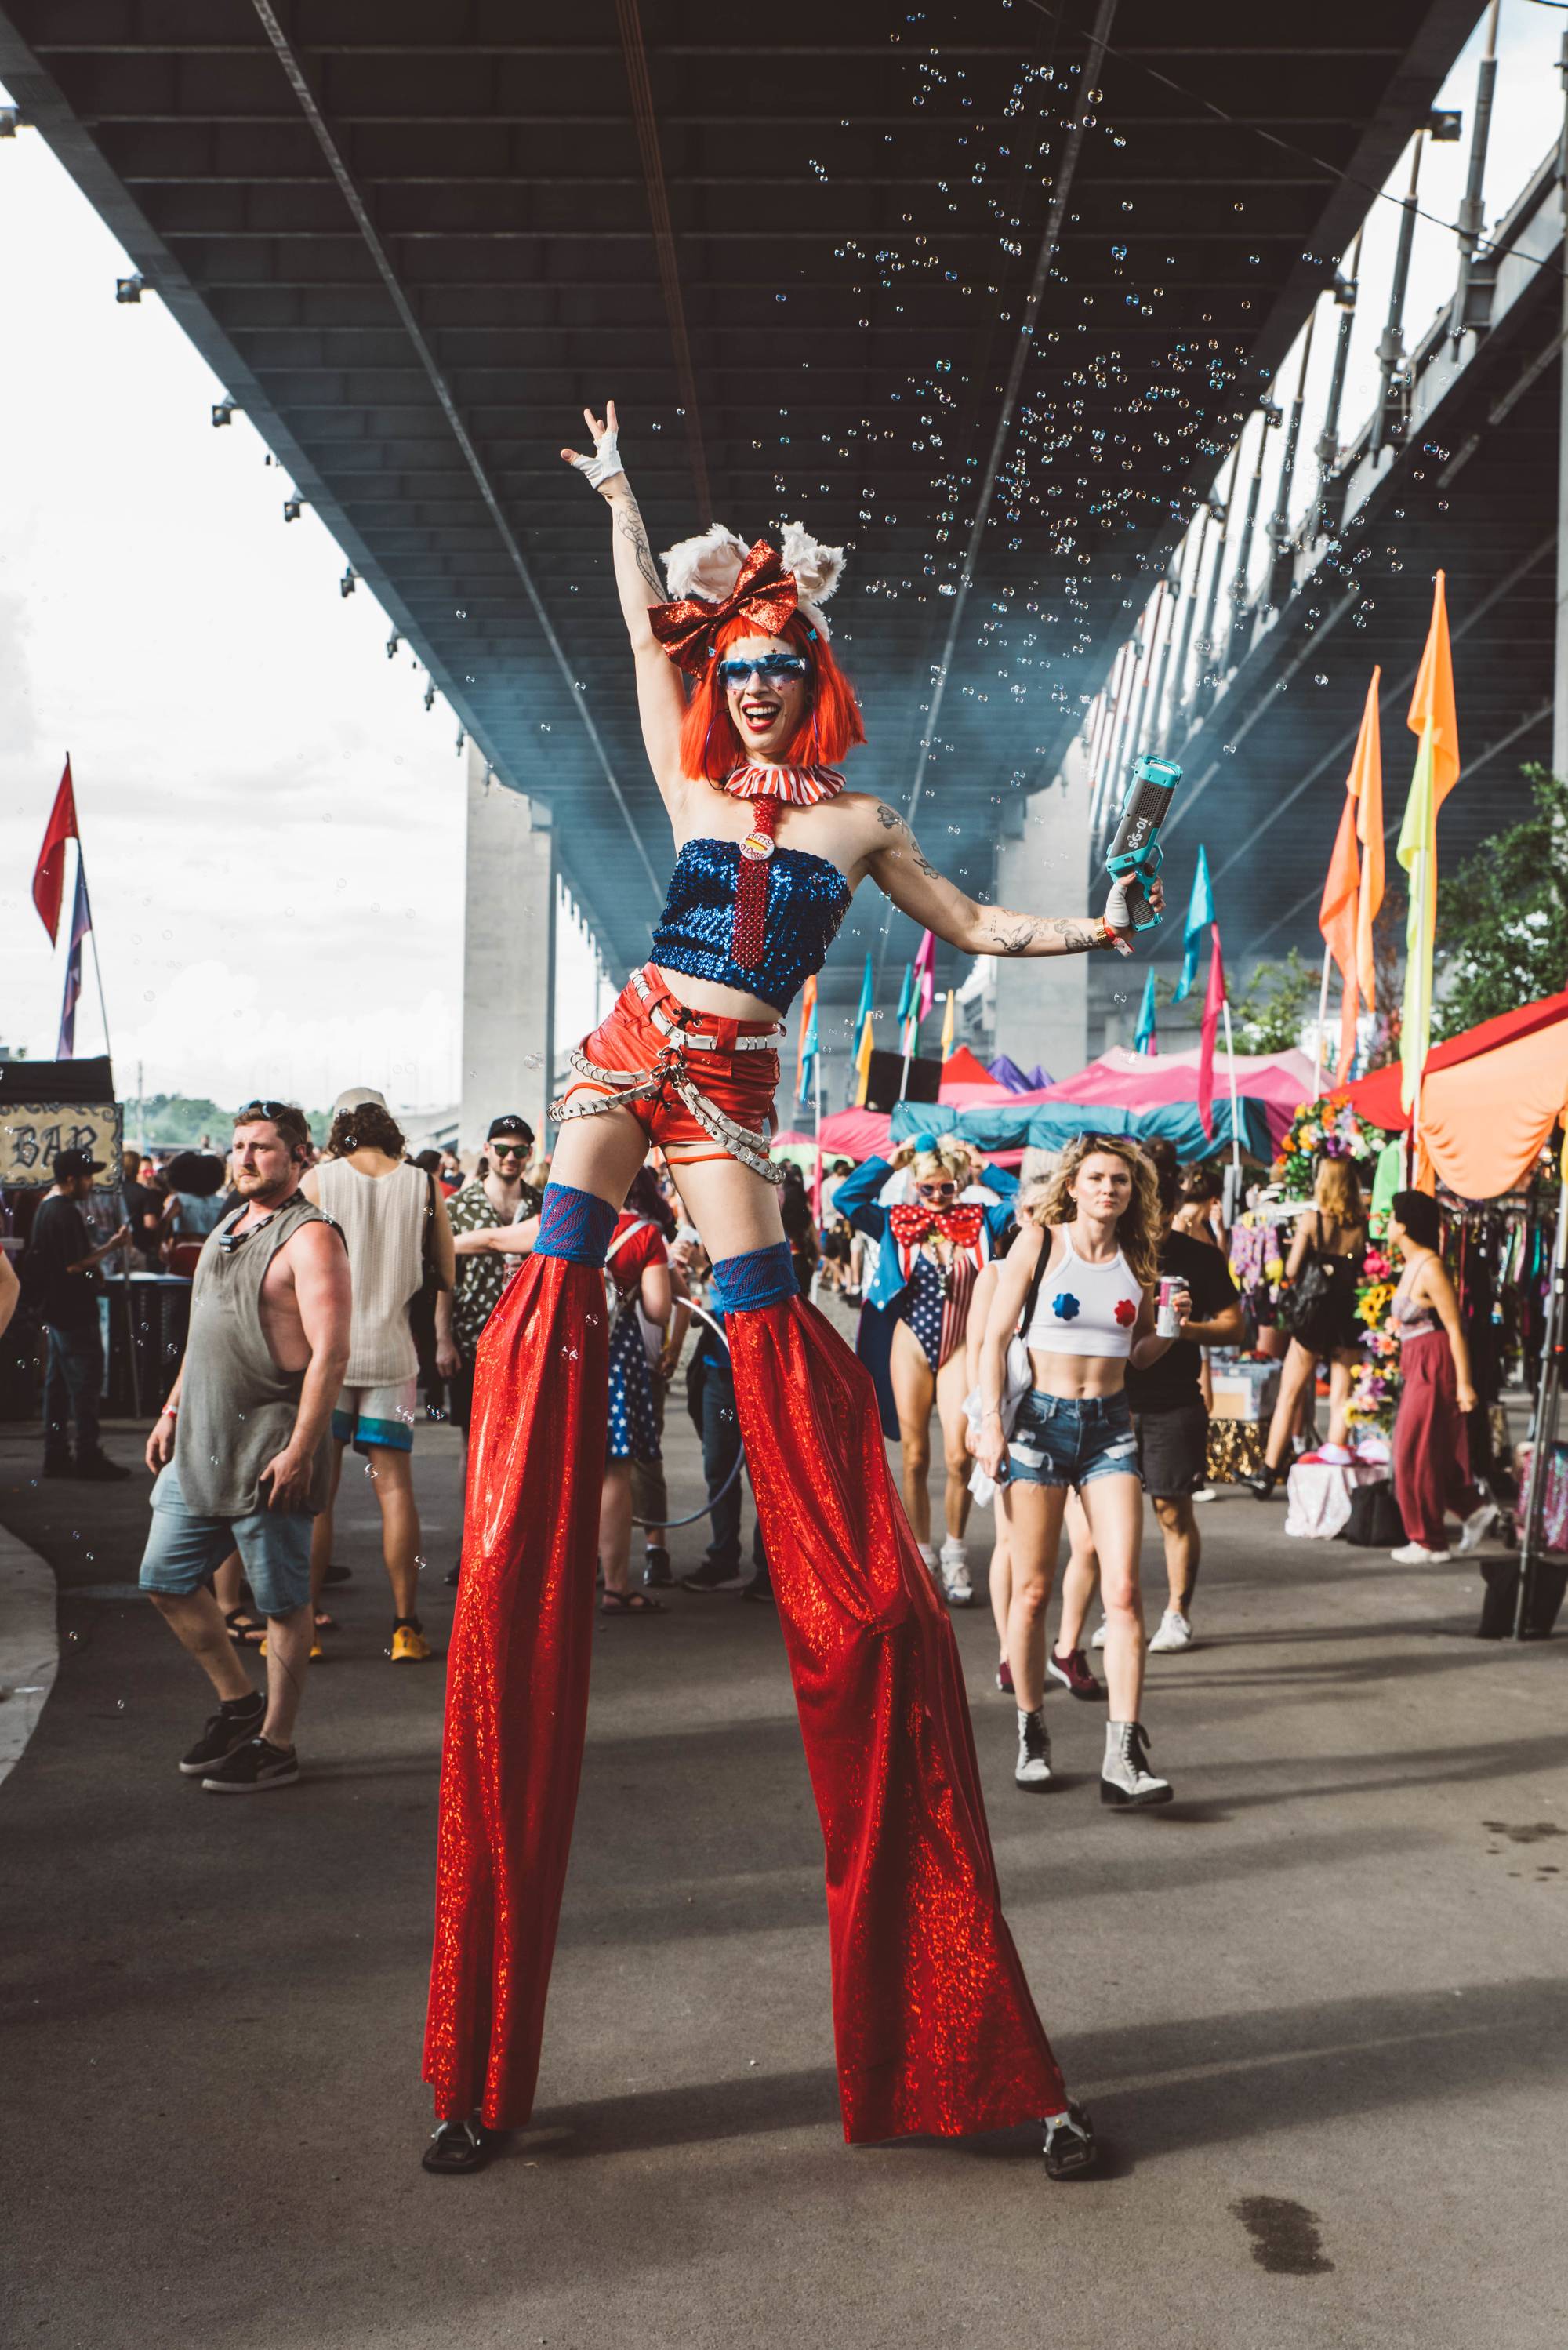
[(604, 461), (169, 1412)]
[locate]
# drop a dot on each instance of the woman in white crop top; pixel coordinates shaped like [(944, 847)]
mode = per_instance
[(1081, 1277)]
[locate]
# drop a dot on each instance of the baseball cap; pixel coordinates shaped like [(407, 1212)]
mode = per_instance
[(509, 1123), (356, 1098), (70, 1163)]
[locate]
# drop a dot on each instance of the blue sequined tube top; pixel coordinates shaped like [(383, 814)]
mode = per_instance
[(808, 898)]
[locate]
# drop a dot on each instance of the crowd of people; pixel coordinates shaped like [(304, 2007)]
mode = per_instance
[(301, 1354)]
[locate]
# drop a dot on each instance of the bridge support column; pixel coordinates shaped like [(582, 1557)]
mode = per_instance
[(1043, 1004), (508, 957)]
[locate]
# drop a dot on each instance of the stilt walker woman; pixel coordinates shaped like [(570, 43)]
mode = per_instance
[(934, 2025)]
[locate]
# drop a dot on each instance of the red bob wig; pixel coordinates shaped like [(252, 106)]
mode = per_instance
[(709, 745)]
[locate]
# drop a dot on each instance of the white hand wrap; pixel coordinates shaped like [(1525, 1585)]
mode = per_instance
[(1117, 917), (604, 461)]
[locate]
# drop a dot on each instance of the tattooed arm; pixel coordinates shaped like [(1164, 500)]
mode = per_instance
[(896, 863), (661, 703)]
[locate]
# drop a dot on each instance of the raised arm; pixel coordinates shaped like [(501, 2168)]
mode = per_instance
[(895, 860), (661, 703)]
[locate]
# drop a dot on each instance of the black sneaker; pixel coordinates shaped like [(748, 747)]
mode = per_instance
[(98, 1469), (453, 1574), (235, 1722), (457, 2146), (58, 1465), (253, 1768), (712, 1576), (656, 1573), (1069, 2148), (760, 1588)]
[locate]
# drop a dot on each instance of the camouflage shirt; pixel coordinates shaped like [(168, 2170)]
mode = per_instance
[(481, 1279)]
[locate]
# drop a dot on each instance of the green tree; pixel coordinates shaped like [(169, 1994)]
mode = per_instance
[(1502, 921), (1271, 1010)]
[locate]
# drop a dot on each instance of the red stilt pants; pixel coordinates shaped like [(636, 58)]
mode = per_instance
[(933, 2023)]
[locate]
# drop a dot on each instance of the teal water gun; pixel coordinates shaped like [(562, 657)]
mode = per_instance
[(1134, 855)]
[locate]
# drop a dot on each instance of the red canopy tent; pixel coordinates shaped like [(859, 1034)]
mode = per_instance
[(1376, 1097), (1489, 1099)]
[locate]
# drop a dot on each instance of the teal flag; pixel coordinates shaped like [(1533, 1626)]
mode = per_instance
[(1143, 1037), (1200, 919), (863, 1009), (906, 992)]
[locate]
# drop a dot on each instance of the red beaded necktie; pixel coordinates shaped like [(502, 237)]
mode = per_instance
[(767, 788)]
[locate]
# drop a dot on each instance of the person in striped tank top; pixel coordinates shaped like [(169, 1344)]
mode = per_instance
[(392, 1219)]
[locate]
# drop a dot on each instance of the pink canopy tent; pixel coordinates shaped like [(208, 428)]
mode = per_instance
[(1128, 1080)]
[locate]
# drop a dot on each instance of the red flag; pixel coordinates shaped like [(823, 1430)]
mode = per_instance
[(49, 876), (1212, 1002)]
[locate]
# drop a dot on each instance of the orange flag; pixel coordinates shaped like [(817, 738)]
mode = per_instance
[(1336, 921), (1366, 788)]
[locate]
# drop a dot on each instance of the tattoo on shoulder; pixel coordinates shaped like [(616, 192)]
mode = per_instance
[(889, 819), (628, 521)]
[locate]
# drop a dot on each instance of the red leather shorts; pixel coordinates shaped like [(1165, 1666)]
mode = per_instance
[(698, 1086)]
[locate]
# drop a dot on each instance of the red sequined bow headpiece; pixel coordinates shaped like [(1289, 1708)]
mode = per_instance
[(914, 1222), (764, 594)]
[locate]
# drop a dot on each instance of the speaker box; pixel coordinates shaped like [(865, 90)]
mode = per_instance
[(886, 1075)]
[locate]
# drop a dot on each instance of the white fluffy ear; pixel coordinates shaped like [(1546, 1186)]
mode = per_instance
[(706, 567), (817, 570)]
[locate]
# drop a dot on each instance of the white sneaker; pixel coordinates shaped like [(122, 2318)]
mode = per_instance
[(1175, 1632), (1097, 1636), (1206, 1493), (1477, 1527), (1125, 1779), (954, 1566), (1032, 1769), (1416, 1554)]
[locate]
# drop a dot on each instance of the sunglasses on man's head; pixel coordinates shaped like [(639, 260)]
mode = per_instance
[(774, 669)]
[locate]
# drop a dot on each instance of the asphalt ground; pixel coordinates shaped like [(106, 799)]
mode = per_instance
[(1317, 2007)]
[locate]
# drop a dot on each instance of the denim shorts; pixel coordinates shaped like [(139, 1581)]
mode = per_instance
[(1071, 1439), (183, 1549)]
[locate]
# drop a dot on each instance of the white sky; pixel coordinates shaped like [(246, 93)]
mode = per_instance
[(273, 823)]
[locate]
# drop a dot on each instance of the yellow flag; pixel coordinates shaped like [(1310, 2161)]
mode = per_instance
[(1431, 719), (949, 1022), (863, 1060)]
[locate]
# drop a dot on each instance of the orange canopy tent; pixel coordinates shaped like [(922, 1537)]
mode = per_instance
[(1489, 1098)]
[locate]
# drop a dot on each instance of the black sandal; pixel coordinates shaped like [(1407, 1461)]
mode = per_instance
[(457, 2146), (243, 1630), (630, 1603)]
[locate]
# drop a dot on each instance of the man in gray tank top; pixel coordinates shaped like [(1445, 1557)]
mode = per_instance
[(240, 1450)]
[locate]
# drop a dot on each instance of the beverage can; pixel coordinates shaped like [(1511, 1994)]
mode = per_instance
[(1166, 1323)]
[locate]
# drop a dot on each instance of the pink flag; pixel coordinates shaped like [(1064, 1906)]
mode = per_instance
[(926, 972), (1212, 1002)]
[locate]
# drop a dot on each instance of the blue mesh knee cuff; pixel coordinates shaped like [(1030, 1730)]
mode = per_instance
[(574, 1225), (764, 1276)]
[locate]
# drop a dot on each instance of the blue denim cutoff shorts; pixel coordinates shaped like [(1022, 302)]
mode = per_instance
[(182, 1549), (1072, 1440)]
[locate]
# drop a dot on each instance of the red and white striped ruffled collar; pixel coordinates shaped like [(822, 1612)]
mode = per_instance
[(802, 786)]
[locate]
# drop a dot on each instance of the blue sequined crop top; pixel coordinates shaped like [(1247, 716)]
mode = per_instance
[(808, 898)]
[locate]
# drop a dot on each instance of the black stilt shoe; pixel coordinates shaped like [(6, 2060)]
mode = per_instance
[(1069, 2147)]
